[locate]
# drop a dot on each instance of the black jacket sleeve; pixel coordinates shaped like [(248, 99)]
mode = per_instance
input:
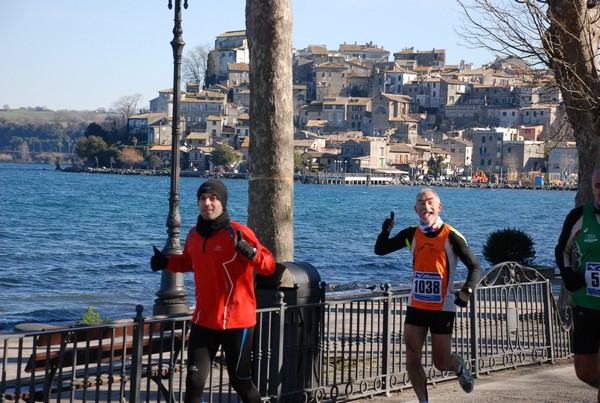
[(573, 216), (385, 244)]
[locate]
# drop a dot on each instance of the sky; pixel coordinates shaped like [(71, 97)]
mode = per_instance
[(86, 54)]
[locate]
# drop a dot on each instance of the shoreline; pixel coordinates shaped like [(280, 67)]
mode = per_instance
[(312, 179)]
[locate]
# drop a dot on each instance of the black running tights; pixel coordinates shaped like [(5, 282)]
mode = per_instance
[(202, 349)]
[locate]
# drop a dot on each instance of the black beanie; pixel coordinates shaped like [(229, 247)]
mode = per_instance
[(215, 187)]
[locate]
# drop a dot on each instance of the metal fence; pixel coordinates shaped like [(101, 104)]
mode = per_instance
[(334, 350)]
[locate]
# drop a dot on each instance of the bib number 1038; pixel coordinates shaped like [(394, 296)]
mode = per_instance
[(427, 287)]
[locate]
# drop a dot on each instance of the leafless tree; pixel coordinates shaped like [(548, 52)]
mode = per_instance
[(271, 159), (24, 154), (195, 64), (126, 106), (514, 169), (560, 132), (561, 35), (566, 167)]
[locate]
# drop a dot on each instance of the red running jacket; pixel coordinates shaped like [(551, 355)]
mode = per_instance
[(224, 280)]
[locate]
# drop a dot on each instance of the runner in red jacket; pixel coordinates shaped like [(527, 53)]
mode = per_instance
[(223, 255)]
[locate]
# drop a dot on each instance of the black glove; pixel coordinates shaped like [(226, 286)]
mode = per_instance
[(244, 248), (159, 261), (463, 296), (573, 281), (388, 224)]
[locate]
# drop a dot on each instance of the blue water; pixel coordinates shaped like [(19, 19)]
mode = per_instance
[(70, 240)]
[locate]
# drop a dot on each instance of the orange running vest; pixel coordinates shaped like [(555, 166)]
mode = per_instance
[(434, 266)]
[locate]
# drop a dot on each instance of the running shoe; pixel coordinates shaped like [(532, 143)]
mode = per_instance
[(465, 379)]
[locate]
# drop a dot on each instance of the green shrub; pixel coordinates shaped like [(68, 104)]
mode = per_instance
[(509, 245), (91, 317)]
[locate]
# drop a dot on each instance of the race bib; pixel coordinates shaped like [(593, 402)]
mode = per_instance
[(592, 279), (427, 287)]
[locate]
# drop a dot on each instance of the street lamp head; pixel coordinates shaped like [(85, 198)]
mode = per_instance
[(185, 4)]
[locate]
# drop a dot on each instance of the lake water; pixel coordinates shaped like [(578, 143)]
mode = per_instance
[(71, 240)]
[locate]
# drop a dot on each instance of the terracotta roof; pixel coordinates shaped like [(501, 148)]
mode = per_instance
[(318, 49), (396, 97), (401, 148), (361, 48), (335, 100), (238, 66), (232, 33), (330, 65), (404, 118), (197, 136), (316, 123)]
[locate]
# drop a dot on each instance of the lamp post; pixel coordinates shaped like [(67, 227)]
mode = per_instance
[(171, 295)]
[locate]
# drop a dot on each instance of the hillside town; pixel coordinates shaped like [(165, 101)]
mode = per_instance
[(360, 109)]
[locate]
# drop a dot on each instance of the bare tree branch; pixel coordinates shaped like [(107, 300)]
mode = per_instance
[(127, 105), (195, 64), (562, 35)]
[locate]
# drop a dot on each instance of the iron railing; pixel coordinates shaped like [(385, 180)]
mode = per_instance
[(333, 350)]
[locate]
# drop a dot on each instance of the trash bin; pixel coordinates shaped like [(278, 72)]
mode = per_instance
[(300, 283), (297, 367)]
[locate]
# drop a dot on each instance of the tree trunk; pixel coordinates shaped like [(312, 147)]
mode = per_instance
[(572, 46), (271, 162)]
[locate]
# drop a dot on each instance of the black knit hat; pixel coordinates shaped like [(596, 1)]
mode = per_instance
[(215, 187)]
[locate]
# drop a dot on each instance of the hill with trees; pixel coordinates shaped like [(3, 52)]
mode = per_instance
[(46, 136)]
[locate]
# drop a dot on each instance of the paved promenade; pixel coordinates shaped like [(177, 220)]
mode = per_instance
[(540, 383)]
